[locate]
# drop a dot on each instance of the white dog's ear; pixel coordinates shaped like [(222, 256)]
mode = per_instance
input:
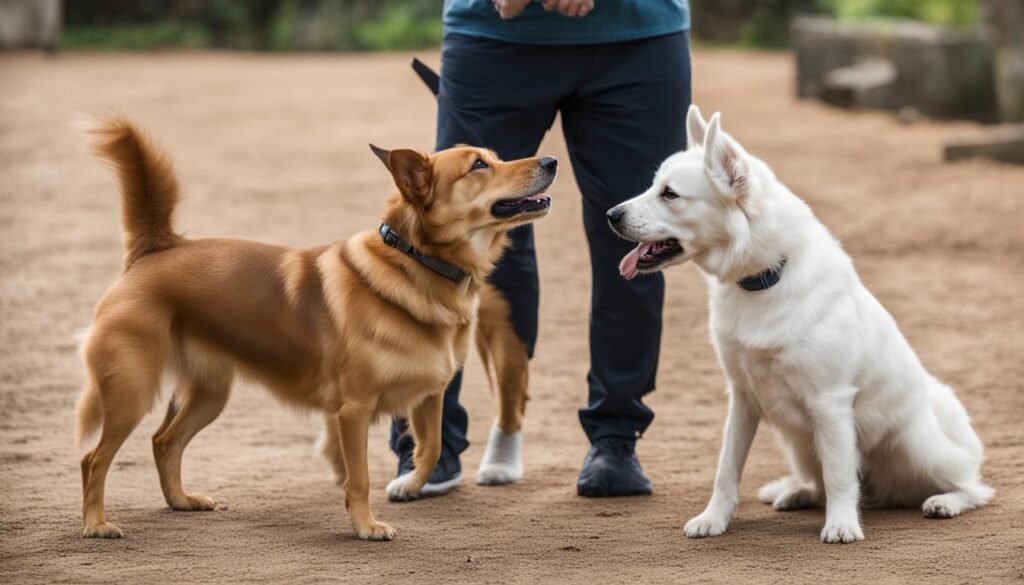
[(696, 128), (725, 161)]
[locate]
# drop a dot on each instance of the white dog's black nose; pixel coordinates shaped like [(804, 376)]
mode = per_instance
[(549, 163), (615, 215)]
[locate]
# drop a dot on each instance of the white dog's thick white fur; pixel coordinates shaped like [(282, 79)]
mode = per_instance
[(816, 356)]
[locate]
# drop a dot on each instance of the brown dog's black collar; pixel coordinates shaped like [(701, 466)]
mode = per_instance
[(449, 271)]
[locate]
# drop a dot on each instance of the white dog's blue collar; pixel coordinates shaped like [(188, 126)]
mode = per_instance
[(763, 280)]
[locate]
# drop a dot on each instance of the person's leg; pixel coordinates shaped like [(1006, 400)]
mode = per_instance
[(626, 117), (494, 93)]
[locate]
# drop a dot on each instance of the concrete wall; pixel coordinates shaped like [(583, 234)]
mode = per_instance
[(940, 72), (30, 24)]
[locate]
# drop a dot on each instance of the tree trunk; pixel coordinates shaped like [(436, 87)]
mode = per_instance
[(1006, 18)]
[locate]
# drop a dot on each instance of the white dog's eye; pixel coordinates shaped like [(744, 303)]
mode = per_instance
[(669, 194), (478, 164)]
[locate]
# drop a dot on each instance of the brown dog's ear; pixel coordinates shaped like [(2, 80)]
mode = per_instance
[(411, 172), (383, 154)]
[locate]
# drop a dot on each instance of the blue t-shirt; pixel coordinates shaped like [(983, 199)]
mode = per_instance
[(611, 21)]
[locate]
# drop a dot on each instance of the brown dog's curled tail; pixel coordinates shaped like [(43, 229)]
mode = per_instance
[(149, 189)]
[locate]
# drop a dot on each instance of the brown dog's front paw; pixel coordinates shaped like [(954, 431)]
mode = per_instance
[(104, 530), (196, 503), (376, 531)]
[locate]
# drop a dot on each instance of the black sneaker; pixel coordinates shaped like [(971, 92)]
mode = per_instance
[(446, 477), (612, 469)]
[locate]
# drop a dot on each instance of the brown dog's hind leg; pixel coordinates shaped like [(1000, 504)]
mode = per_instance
[(512, 367), (330, 447), (202, 400), (505, 359), (126, 379)]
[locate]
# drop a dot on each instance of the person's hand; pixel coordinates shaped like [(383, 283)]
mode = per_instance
[(573, 8), (509, 8)]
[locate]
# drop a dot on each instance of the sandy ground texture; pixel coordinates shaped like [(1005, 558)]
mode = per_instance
[(274, 148)]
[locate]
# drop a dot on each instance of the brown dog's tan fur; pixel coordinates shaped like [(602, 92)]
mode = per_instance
[(504, 357), (356, 329)]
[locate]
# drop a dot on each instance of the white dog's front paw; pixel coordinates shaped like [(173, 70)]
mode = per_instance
[(841, 532), (708, 523), (403, 488), (943, 506)]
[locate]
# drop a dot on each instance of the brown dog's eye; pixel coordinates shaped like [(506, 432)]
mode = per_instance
[(669, 194), (478, 164)]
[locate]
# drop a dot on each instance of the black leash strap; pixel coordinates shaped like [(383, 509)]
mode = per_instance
[(432, 80)]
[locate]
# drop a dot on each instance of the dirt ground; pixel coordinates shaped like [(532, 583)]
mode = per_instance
[(274, 147)]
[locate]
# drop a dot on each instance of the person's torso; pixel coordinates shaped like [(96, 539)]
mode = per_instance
[(610, 21)]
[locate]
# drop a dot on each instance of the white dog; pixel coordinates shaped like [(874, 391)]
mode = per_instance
[(804, 346)]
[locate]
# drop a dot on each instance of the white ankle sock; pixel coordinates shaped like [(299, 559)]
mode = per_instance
[(503, 459)]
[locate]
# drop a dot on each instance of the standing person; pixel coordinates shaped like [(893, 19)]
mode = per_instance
[(619, 73)]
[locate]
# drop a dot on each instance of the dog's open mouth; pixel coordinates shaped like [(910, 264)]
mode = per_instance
[(512, 207), (649, 255)]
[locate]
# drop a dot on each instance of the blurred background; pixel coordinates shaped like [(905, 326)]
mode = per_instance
[(383, 25), (941, 58), (343, 25), (860, 106)]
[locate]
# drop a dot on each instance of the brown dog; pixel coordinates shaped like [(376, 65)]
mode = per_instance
[(373, 325)]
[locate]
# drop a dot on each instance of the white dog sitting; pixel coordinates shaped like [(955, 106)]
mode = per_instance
[(804, 346)]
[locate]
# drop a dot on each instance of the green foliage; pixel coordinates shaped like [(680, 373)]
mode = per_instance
[(765, 23), (387, 26), (746, 22), (949, 12), (379, 25), (134, 37), (277, 25), (398, 28)]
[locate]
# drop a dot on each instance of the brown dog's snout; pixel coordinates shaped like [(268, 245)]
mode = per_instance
[(549, 163)]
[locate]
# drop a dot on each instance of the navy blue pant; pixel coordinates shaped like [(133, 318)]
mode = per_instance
[(623, 109)]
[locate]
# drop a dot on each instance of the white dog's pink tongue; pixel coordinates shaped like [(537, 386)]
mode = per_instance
[(627, 268)]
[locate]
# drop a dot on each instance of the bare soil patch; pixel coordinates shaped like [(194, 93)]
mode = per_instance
[(274, 148)]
